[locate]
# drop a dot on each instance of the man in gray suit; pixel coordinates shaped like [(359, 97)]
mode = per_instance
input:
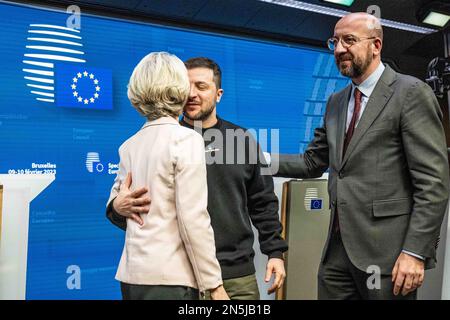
[(384, 145)]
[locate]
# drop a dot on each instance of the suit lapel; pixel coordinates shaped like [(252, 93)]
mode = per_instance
[(342, 119), (377, 101)]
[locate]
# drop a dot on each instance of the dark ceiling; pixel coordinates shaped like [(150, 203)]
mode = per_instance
[(409, 52)]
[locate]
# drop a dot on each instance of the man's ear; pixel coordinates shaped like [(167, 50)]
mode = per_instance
[(219, 95), (378, 45)]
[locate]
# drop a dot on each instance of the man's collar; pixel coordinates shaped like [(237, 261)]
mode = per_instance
[(216, 125), (368, 85)]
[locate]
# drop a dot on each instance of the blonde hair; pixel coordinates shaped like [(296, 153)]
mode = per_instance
[(159, 86)]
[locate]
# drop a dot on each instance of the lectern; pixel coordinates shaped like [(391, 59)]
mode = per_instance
[(305, 216), (18, 192)]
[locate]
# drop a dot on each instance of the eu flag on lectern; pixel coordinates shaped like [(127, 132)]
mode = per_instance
[(81, 86)]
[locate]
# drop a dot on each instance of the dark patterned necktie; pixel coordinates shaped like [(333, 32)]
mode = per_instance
[(351, 127)]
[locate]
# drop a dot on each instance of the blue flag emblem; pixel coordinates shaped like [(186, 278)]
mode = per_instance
[(316, 204), (83, 87)]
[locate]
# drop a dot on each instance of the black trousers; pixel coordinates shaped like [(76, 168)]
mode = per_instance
[(157, 292), (339, 279)]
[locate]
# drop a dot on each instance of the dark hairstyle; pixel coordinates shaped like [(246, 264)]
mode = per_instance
[(202, 62)]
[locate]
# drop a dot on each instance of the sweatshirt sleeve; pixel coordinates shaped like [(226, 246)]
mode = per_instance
[(114, 217), (111, 214), (263, 210)]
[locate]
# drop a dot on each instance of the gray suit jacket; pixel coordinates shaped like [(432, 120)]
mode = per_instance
[(391, 187)]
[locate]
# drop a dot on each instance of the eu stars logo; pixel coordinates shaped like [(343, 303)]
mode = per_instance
[(316, 204), (94, 84), (86, 88)]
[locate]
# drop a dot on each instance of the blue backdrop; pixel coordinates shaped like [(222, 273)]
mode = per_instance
[(44, 127)]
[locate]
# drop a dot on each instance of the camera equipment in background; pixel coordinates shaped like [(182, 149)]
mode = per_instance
[(438, 76)]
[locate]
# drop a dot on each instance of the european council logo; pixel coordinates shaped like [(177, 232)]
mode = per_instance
[(48, 44), (93, 163), (56, 71), (312, 200), (83, 87)]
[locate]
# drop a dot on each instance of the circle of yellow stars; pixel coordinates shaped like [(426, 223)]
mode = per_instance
[(77, 95)]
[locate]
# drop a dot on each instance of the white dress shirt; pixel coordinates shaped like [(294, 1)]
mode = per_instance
[(366, 88)]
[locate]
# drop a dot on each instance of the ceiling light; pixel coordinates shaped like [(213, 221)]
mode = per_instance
[(436, 19), (347, 3), (340, 13)]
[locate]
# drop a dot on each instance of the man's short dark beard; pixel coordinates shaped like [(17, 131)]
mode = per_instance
[(202, 115), (358, 67)]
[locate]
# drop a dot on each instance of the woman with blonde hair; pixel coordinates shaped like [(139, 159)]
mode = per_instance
[(172, 254)]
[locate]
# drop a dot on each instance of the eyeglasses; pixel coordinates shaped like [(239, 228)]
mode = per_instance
[(347, 41)]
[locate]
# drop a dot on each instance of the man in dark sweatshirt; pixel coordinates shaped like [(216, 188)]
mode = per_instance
[(238, 194)]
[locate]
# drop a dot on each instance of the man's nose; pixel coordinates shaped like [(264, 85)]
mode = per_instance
[(192, 92), (339, 48)]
